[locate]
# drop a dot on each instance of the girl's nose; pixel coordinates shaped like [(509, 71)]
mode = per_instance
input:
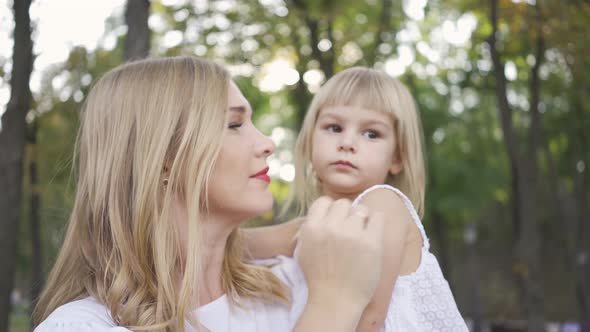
[(347, 143)]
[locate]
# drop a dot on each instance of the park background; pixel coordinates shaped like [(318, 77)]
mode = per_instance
[(502, 88)]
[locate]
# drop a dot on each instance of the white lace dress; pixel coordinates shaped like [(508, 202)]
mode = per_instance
[(421, 301)]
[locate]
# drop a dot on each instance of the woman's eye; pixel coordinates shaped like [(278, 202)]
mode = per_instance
[(234, 125), (334, 128), (371, 134)]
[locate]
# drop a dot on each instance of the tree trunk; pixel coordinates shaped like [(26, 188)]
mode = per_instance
[(581, 252), (473, 258), (300, 96), (35, 225), (524, 168), (384, 25), (12, 141), (325, 59), (438, 226), (137, 42)]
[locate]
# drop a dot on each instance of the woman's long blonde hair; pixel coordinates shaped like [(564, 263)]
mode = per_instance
[(143, 122), (374, 90)]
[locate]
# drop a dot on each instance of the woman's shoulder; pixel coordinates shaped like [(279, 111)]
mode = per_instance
[(82, 315)]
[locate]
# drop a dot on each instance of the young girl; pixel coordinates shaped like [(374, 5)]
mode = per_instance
[(361, 141)]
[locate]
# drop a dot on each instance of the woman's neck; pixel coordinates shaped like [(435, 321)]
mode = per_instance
[(215, 236), (215, 232)]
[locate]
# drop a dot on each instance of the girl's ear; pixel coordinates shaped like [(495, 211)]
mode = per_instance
[(397, 165)]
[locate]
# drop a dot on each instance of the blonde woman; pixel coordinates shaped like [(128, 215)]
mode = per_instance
[(169, 165), (362, 140)]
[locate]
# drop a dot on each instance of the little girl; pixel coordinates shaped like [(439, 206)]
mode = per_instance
[(361, 140)]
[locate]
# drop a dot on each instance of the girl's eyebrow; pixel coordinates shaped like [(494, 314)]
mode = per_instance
[(329, 115), (369, 122), (375, 122)]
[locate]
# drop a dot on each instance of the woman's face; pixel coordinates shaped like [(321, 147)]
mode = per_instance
[(239, 184)]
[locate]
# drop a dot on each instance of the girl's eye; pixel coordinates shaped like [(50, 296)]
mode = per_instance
[(234, 125), (371, 134), (334, 128)]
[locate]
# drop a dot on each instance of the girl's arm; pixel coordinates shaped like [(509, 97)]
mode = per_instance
[(271, 241), (397, 224)]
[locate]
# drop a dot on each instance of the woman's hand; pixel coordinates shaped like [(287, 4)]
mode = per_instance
[(340, 250)]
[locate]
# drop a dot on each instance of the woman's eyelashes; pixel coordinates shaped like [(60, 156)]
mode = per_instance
[(234, 125)]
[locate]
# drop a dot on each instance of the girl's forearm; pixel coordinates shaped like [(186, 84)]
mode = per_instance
[(271, 241)]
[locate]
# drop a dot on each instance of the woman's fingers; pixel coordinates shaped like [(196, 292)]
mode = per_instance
[(340, 251), (318, 210), (339, 210)]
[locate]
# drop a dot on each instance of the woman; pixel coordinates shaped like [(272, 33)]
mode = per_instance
[(170, 165)]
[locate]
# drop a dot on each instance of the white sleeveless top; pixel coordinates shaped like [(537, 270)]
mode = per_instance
[(422, 300)]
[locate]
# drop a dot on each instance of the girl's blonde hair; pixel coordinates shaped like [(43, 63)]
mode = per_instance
[(369, 89), (143, 123)]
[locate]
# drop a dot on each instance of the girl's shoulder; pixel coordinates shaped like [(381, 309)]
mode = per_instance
[(387, 196), (82, 315), (394, 203), (385, 190)]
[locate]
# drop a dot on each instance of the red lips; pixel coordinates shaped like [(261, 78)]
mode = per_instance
[(262, 175)]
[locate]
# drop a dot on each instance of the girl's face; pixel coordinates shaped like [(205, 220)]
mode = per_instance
[(353, 149), (239, 184)]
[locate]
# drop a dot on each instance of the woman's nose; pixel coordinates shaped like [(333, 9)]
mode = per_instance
[(266, 146)]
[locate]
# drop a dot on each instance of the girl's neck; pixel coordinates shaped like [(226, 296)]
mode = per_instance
[(339, 195)]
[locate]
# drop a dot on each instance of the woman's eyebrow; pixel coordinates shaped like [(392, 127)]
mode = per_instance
[(238, 109)]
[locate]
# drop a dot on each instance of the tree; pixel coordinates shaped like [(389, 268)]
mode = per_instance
[(137, 42), (524, 169), (12, 142)]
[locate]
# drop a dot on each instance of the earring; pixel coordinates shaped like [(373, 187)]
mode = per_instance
[(165, 182)]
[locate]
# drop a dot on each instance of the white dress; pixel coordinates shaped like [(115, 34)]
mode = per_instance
[(421, 302)]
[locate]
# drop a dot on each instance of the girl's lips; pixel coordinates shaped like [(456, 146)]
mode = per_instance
[(343, 163)]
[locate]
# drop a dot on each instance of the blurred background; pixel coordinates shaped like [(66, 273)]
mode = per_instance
[(502, 88)]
